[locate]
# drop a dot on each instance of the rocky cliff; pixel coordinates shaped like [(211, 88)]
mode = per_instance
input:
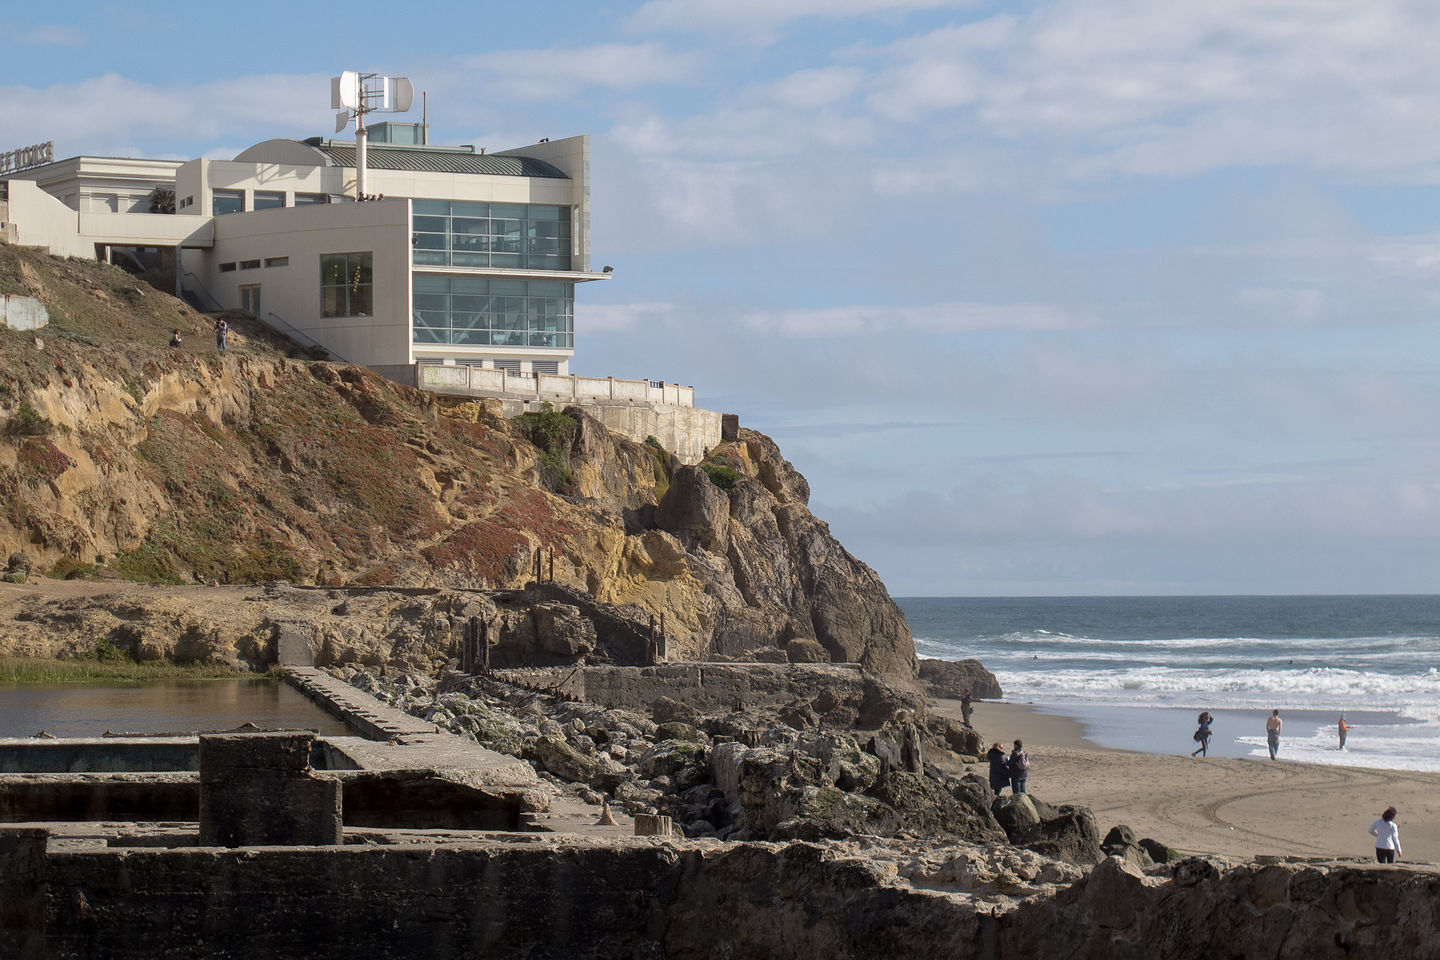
[(123, 458)]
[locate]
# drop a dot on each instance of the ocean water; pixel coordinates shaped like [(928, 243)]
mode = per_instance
[(1136, 670)]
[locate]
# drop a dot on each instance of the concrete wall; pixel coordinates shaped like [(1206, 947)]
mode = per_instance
[(687, 432), (22, 313), (632, 408), (40, 220), (704, 686), (292, 292), (679, 900)]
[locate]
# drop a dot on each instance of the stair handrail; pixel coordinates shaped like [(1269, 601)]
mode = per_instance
[(295, 333), (203, 289)]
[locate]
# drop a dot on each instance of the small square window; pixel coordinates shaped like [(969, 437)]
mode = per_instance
[(277, 261), (249, 264), (227, 267)]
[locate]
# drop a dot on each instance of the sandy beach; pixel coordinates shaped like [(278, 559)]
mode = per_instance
[(1238, 808)]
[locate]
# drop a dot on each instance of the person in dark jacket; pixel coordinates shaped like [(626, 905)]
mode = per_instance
[(999, 769), (1019, 768)]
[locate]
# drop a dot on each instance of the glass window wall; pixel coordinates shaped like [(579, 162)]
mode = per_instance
[(531, 236), (476, 311), (268, 199)]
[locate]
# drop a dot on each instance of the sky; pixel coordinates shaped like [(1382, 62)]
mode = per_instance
[(1061, 297)]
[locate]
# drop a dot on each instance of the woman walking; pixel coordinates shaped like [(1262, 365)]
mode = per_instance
[(1387, 837), (1202, 735)]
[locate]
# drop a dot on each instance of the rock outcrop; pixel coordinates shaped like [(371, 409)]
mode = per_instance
[(951, 678)]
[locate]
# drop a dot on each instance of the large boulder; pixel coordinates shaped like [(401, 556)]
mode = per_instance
[(555, 756), (951, 678), (963, 740), (562, 633), (1070, 835), (695, 511), (1015, 813)]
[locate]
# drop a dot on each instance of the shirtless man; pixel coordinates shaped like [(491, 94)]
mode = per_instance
[(1272, 732)]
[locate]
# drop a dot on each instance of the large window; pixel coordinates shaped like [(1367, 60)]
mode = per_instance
[(269, 199), (345, 285), (227, 201), (534, 236), (476, 311)]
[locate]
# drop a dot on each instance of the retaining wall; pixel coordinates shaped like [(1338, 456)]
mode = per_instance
[(636, 409), (407, 898)]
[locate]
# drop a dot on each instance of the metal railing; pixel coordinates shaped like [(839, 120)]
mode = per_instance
[(463, 378), (202, 290), (295, 333)]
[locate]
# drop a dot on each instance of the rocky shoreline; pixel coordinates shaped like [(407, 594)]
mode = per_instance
[(782, 772)]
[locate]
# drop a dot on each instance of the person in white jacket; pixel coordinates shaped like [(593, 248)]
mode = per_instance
[(1387, 837)]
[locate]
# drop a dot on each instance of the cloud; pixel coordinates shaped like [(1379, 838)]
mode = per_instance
[(1112, 87), (758, 19), (1058, 508), (608, 318), (56, 35), (560, 72), (940, 318), (104, 114)]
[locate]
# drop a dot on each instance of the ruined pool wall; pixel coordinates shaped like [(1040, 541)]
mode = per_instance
[(552, 898)]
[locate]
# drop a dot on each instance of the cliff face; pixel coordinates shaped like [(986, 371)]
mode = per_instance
[(120, 457)]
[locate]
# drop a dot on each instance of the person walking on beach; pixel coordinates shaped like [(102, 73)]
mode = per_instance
[(1344, 729), (1019, 768), (999, 769), (966, 707), (222, 329), (1387, 837), (1272, 732), (1203, 734)]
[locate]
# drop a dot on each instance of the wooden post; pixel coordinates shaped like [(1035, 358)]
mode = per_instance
[(552, 564), (484, 641)]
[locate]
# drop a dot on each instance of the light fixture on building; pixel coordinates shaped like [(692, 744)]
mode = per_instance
[(607, 269)]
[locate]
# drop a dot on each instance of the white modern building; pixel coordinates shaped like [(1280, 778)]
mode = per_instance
[(461, 257)]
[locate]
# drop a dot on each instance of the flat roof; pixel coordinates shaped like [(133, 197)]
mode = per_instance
[(387, 157)]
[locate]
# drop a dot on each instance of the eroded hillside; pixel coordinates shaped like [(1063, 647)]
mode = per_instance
[(122, 457)]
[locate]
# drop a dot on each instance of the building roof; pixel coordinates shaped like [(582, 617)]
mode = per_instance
[(378, 157)]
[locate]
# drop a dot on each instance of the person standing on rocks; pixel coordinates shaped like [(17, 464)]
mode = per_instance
[(1272, 732), (1019, 768), (999, 769), (966, 706), (1387, 837), (1203, 734), (222, 330)]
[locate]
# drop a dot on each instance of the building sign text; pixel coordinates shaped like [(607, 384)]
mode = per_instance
[(26, 157)]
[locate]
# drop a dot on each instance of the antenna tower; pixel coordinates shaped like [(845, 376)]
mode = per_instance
[(356, 94)]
